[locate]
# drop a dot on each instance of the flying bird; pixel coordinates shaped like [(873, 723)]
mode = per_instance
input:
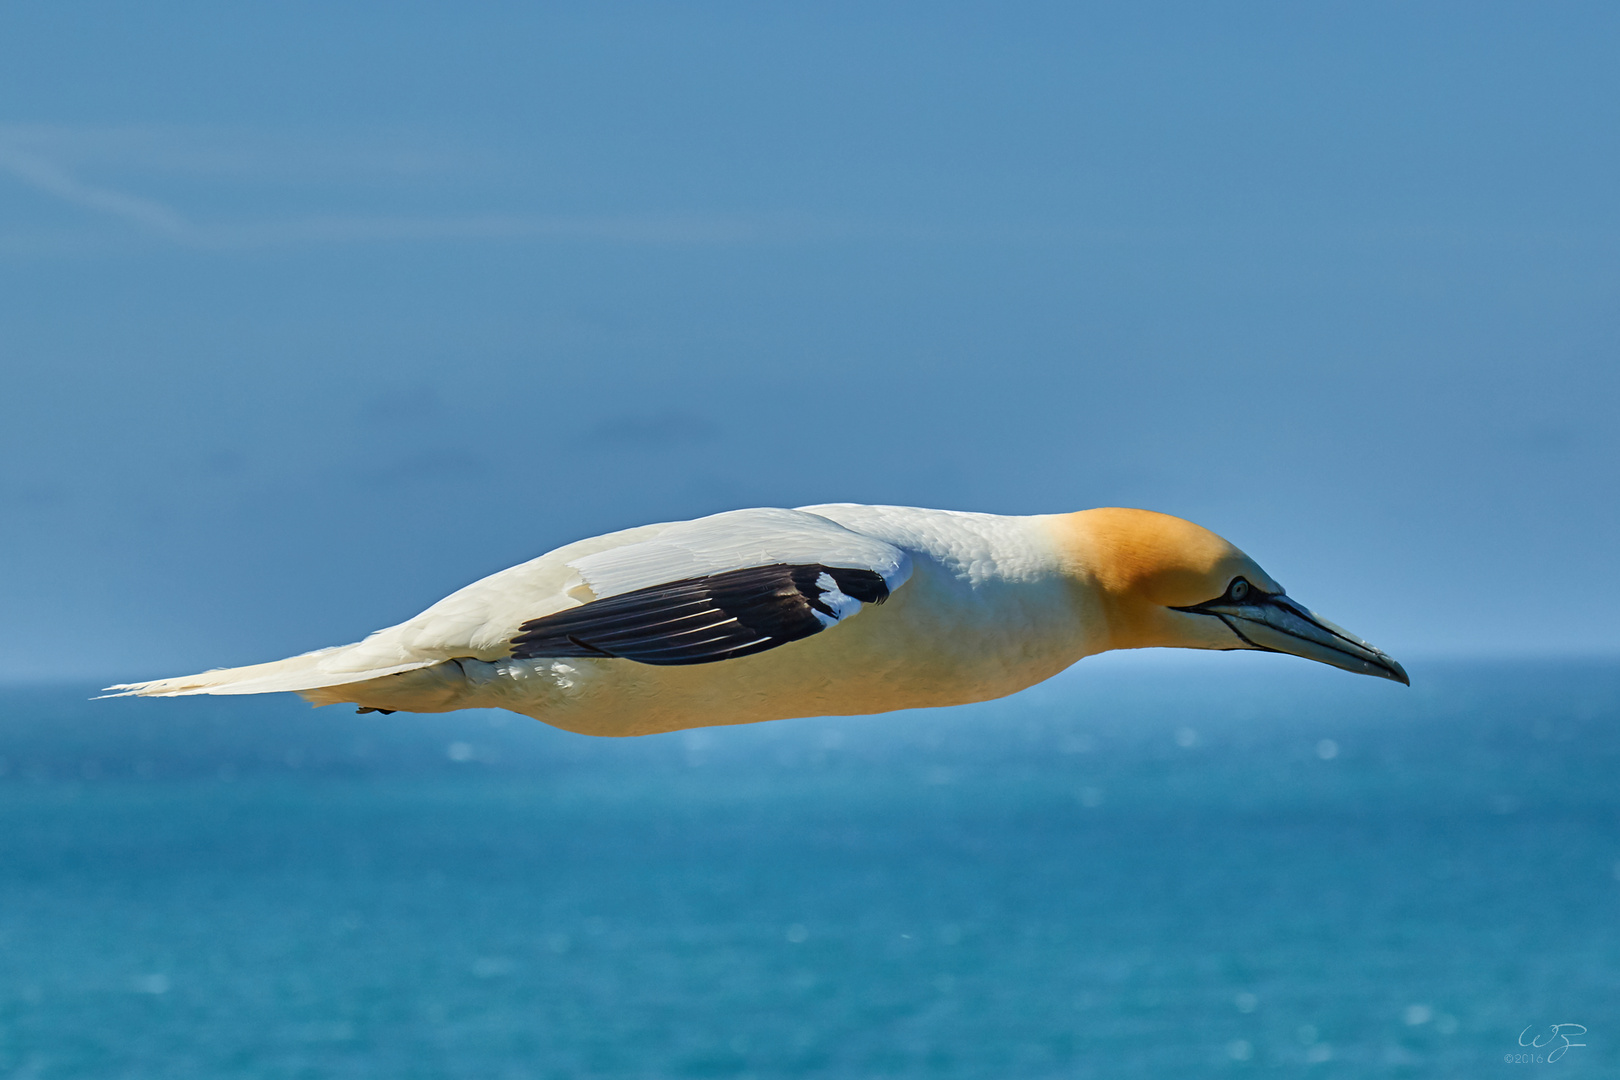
[(771, 613)]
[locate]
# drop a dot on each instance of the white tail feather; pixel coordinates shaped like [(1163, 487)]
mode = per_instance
[(310, 671)]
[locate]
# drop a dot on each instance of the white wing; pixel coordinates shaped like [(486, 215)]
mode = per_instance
[(676, 593)]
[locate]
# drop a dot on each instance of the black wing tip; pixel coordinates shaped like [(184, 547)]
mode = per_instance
[(759, 608)]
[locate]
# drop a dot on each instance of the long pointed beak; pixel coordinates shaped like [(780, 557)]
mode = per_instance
[(1278, 624)]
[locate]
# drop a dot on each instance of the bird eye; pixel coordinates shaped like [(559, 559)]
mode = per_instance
[(1238, 590)]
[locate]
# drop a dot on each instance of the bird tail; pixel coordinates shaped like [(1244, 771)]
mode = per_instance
[(337, 666)]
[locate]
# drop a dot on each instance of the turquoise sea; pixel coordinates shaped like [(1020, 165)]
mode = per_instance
[(1243, 867)]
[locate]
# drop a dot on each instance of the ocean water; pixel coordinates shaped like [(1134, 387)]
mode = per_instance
[(1256, 867)]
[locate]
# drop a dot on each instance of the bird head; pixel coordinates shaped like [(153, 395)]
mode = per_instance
[(1163, 581)]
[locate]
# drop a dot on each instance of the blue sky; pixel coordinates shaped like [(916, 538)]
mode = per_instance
[(311, 313)]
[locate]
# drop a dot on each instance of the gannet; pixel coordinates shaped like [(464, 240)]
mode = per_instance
[(835, 609)]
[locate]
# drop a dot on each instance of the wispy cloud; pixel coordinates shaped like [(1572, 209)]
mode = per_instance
[(44, 176), (51, 161), (72, 165)]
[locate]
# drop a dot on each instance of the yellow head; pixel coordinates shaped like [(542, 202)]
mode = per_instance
[(1163, 581)]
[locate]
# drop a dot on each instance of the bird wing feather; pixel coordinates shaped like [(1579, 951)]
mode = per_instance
[(718, 588)]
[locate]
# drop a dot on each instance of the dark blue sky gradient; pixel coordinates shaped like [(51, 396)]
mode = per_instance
[(309, 315)]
